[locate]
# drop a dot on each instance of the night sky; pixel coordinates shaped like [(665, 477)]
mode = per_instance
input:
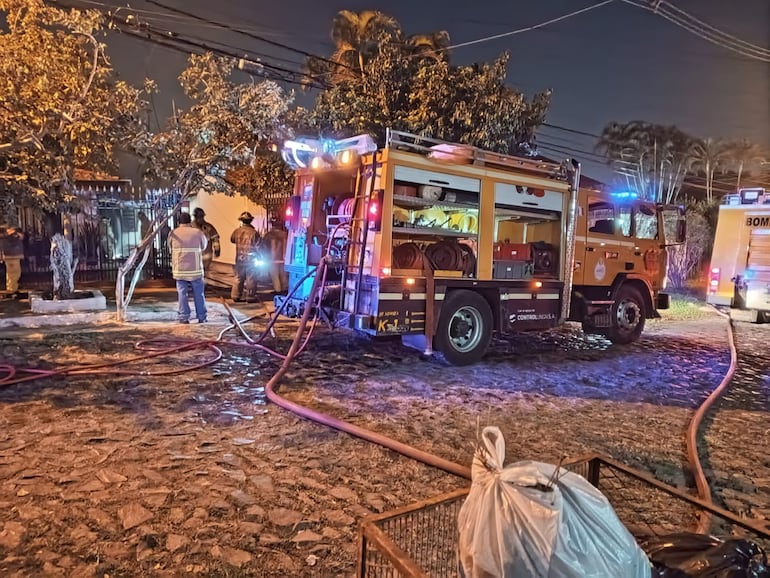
[(616, 62)]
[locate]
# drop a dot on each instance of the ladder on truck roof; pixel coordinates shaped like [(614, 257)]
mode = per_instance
[(467, 154)]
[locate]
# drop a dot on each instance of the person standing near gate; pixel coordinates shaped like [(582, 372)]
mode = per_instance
[(12, 252), (187, 245), (213, 249), (246, 240)]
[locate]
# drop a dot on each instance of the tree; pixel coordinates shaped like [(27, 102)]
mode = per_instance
[(228, 126), (684, 260), (61, 106), (266, 181), (652, 158), (742, 154), (472, 105), (356, 37), (408, 84), (431, 46), (706, 156)]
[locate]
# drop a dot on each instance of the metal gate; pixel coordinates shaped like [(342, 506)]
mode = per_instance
[(107, 225)]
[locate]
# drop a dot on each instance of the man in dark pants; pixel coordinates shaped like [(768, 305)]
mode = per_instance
[(246, 240), (187, 245)]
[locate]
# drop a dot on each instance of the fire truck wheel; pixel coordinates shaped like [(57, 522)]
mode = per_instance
[(464, 328), (628, 316)]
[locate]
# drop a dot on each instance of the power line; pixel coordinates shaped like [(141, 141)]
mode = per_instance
[(571, 130), (195, 44), (273, 72), (151, 14), (704, 31), (665, 10), (173, 40), (571, 150), (528, 28), (664, 6), (237, 30), (240, 49)]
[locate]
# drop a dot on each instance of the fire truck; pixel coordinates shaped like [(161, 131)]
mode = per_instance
[(740, 261), (447, 245)]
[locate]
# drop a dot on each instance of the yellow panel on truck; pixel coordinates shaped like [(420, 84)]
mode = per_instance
[(739, 275)]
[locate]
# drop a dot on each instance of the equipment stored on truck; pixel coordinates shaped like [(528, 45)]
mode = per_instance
[(739, 276), (446, 244)]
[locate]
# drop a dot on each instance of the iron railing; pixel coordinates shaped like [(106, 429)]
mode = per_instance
[(420, 540)]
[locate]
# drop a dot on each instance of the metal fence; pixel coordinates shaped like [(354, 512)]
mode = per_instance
[(110, 221), (420, 540)]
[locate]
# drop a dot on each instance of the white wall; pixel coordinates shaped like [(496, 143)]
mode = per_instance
[(223, 211)]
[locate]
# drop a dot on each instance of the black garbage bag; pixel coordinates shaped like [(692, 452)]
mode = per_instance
[(687, 555)]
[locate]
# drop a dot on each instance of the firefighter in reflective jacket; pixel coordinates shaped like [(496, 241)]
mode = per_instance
[(246, 239)]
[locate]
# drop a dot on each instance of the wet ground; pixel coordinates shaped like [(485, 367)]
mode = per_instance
[(737, 434), (195, 474)]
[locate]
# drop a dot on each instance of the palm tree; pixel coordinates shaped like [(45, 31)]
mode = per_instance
[(742, 155), (625, 145), (357, 37), (706, 156), (428, 45), (652, 158)]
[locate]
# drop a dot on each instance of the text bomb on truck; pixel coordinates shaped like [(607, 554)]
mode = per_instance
[(447, 244)]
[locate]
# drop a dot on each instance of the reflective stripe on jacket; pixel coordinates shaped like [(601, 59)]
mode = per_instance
[(246, 240), (187, 245), (212, 235)]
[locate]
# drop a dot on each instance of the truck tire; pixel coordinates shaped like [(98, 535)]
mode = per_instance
[(464, 328), (627, 316)]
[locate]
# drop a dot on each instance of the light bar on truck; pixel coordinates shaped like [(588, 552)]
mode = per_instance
[(319, 153), (625, 195)]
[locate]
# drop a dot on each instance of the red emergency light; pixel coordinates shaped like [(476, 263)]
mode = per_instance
[(374, 211), (292, 212), (714, 280)]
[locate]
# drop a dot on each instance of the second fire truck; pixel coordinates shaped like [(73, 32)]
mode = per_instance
[(446, 244), (740, 261)]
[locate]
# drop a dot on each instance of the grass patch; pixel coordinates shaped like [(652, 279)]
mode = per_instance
[(685, 307)]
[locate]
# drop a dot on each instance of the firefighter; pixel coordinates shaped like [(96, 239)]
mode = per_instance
[(246, 239), (187, 245), (213, 249), (275, 242)]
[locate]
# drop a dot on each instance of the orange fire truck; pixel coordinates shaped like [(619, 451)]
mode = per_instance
[(740, 261), (446, 244)]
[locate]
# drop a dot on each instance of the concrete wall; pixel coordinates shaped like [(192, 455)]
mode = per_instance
[(223, 211)]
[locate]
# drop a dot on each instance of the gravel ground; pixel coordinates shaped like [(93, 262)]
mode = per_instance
[(737, 433), (195, 474)]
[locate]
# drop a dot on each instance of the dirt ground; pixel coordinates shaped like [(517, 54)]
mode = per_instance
[(119, 472)]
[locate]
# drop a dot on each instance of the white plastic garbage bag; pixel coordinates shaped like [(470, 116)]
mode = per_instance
[(523, 521)]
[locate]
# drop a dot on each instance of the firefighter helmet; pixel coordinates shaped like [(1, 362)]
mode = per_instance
[(246, 217)]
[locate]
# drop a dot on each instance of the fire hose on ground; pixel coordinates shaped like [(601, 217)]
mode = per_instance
[(301, 338)]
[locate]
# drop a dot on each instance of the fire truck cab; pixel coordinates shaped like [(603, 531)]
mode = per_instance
[(739, 275), (446, 244)]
